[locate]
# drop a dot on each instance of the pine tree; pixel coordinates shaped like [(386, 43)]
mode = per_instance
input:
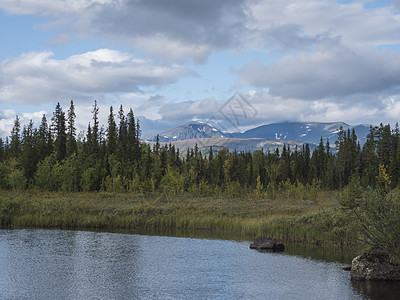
[(122, 138), (369, 159), (72, 146), (2, 151), (29, 159), (385, 145), (112, 135), (133, 140), (15, 140), (95, 128), (321, 160), (285, 165), (44, 142), (306, 170), (59, 131)]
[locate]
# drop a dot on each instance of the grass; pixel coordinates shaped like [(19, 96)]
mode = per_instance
[(320, 222)]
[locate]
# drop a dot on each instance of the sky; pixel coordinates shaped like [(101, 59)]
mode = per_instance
[(181, 60)]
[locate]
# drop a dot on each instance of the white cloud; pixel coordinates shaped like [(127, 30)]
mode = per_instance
[(328, 68), (38, 78), (7, 119), (351, 21), (172, 49), (271, 109), (174, 30), (177, 30), (326, 72), (49, 7), (156, 113)]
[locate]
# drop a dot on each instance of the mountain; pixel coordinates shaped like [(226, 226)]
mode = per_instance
[(191, 130), (310, 132), (267, 137), (238, 144)]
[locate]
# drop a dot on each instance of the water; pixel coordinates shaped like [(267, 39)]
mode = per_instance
[(55, 264)]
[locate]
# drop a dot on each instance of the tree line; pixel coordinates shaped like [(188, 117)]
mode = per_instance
[(113, 158)]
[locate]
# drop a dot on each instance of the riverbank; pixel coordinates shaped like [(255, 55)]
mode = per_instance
[(319, 222)]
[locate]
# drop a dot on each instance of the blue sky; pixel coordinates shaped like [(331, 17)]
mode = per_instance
[(181, 60)]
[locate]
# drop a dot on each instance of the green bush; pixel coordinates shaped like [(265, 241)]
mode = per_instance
[(378, 217)]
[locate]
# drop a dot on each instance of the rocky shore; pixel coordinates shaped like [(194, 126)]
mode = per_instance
[(375, 265)]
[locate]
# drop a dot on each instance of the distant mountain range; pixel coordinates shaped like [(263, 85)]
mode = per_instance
[(310, 132), (268, 137)]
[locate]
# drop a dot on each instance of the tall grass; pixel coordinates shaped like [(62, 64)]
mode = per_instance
[(319, 221)]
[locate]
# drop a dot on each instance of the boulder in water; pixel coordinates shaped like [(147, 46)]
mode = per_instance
[(267, 244)]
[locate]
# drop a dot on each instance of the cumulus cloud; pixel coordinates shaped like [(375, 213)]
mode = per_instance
[(272, 109), (37, 77), (352, 21), (328, 67), (157, 113), (332, 46), (200, 109), (173, 30), (326, 72), (181, 29)]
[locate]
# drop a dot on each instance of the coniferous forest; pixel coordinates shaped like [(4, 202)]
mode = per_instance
[(112, 158)]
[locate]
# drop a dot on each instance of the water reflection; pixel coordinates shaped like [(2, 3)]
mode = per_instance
[(54, 264), (377, 290), (330, 254)]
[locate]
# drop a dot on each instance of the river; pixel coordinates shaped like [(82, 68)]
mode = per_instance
[(57, 264)]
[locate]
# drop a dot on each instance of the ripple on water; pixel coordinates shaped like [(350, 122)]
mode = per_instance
[(39, 264)]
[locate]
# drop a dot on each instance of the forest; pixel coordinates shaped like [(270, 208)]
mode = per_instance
[(113, 158)]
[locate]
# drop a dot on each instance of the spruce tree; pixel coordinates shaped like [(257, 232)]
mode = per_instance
[(133, 142), (95, 128), (59, 131), (15, 139), (122, 137), (72, 146), (44, 143), (112, 136), (2, 151), (29, 158)]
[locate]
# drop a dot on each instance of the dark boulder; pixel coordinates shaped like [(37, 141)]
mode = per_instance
[(374, 265), (267, 244)]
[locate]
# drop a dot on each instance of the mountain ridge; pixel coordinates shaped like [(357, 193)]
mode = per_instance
[(304, 132), (186, 131)]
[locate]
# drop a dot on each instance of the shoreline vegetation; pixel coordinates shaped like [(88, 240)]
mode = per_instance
[(320, 222)]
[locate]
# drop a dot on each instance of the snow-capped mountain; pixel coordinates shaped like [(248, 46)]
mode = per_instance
[(267, 137), (310, 132), (306, 132), (191, 130)]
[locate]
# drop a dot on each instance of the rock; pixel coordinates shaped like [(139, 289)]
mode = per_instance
[(346, 268), (374, 265), (267, 244)]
